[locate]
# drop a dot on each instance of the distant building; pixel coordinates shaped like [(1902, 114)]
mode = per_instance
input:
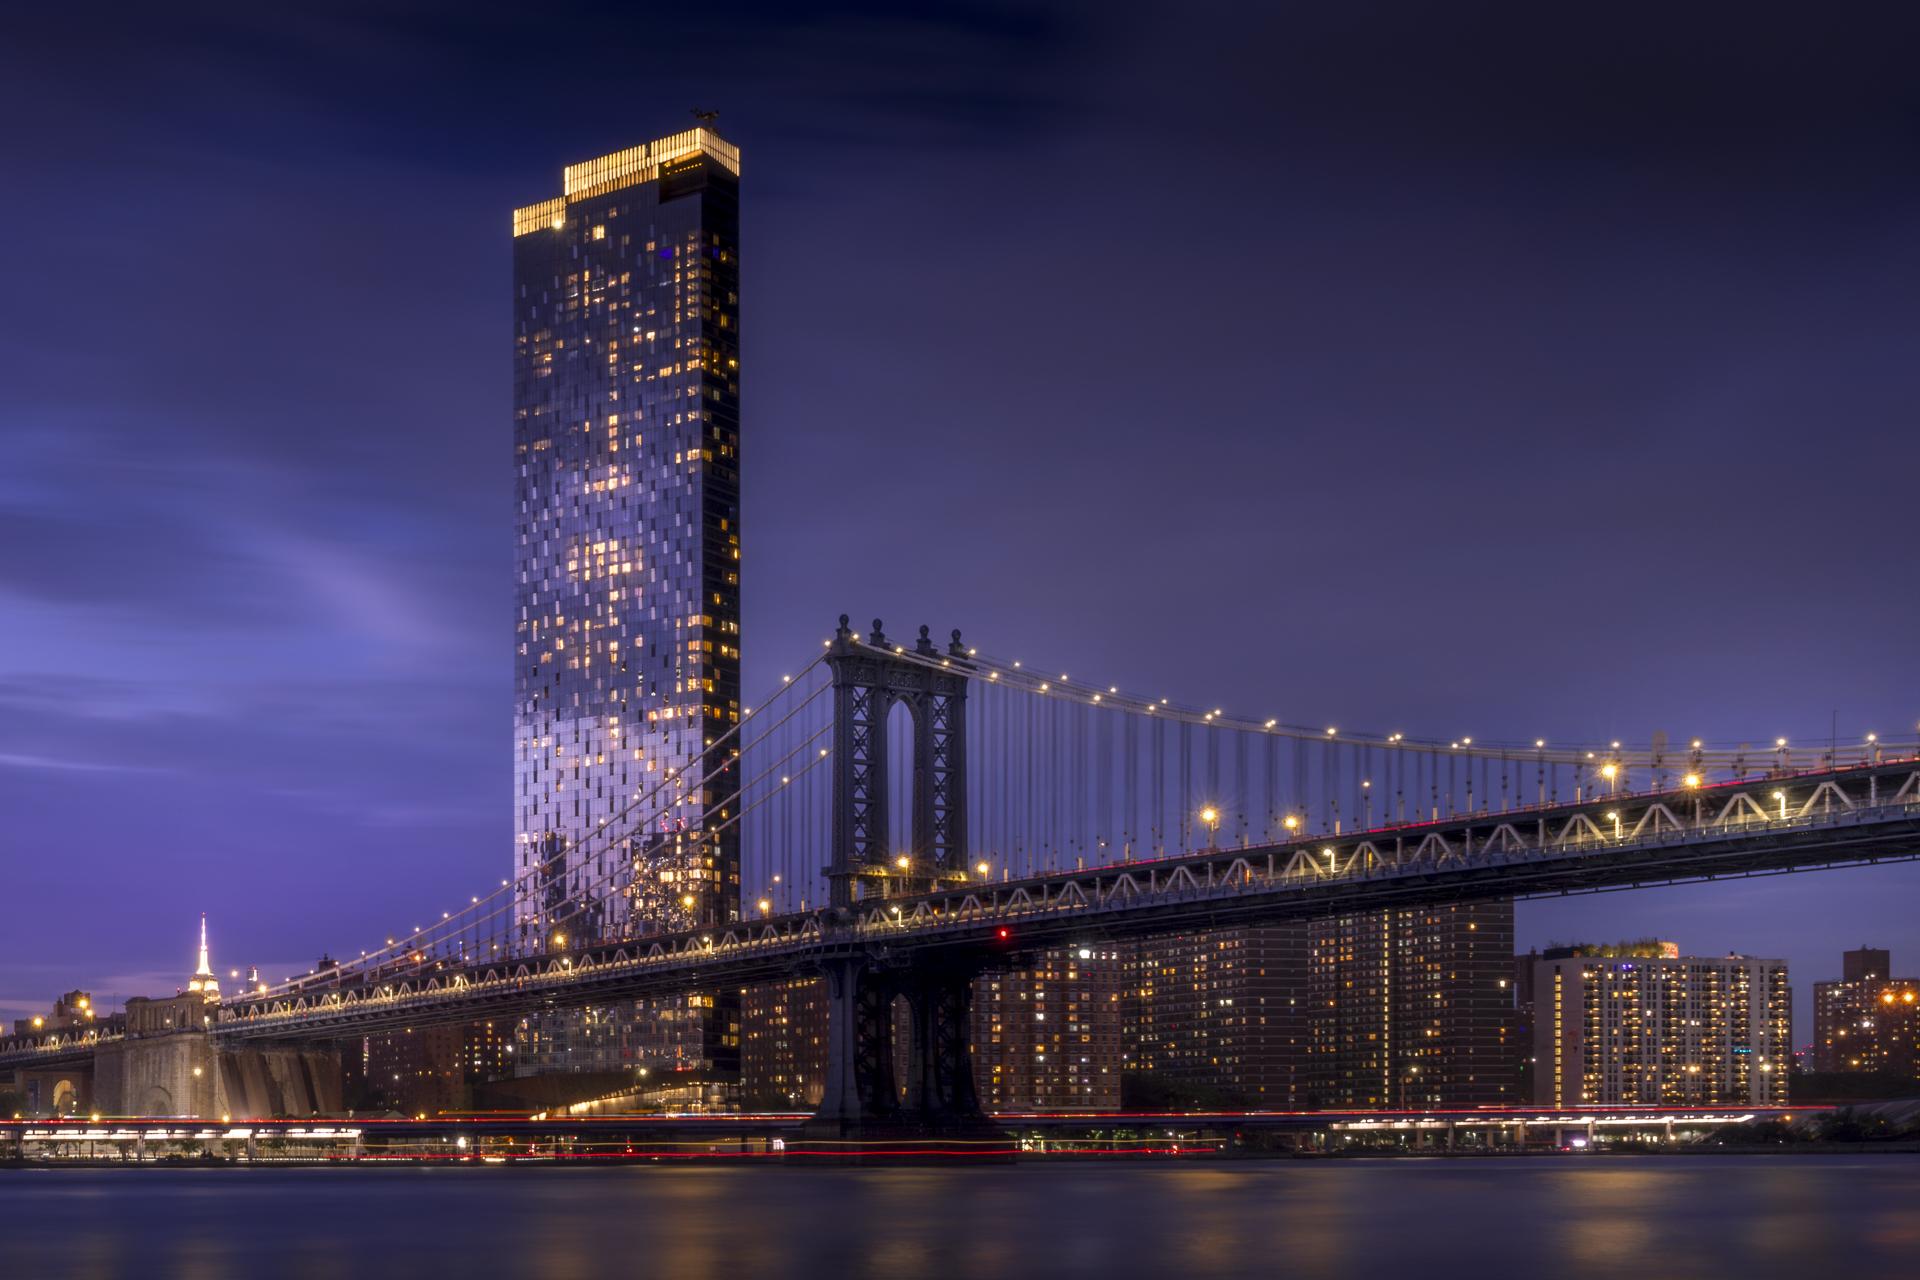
[(1047, 1037), (1636, 1024), (783, 1045), (1402, 1008), (1411, 1008), (203, 980), (1523, 996), (429, 1069), (1867, 1021), (1225, 1010)]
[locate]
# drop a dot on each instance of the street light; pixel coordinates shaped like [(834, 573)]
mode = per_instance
[(1291, 822), (765, 906), (1615, 816), (1781, 796), (903, 862), (1210, 816), (981, 868), (1609, 771)]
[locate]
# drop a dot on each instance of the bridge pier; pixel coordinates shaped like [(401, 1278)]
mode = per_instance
[(860, 1088), (863, 1104), (940, 1092)]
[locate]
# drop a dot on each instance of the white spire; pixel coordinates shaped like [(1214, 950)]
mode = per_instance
[(203, 979)]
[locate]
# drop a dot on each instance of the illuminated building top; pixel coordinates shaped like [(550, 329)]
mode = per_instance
[(626, 168), (203, 980)]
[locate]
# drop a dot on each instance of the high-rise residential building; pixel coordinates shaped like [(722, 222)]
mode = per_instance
[(1638, 1024), (627, 588), (1410, 1008), (1868, 1021), (428, 1069), (1524, 1008), (783, 1044), (1225, 1010), (1046, 1036), (1402, 1008)]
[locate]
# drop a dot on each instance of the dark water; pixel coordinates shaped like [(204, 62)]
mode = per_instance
[(1663, 1218)]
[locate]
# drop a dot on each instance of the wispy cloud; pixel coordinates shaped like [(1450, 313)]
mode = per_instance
[(10, 760)]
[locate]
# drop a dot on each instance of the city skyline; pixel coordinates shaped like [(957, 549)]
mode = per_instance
[(352, 610)]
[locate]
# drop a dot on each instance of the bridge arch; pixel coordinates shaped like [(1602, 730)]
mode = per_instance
[(872, 679)]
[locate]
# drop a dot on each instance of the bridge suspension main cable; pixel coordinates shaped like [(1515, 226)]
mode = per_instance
[(597, 870), (1069, 772)]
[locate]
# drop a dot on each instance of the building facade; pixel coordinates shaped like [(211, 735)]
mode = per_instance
[(1047, 1036), (1868, 1021), (1405, 1008), (1224, 1010), (1410, 1008), (428, 1070), (783, 1045), (627, 610), (1625, 1025)]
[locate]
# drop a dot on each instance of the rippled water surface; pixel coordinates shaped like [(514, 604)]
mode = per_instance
[(1804, 1217)]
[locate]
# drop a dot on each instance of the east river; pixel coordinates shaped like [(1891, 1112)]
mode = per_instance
[(1667, 1218)]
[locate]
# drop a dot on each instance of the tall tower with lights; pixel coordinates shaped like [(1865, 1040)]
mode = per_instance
[(626, 440), (203, 979)]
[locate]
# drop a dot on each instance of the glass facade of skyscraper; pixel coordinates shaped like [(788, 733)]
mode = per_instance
[(627, 609)]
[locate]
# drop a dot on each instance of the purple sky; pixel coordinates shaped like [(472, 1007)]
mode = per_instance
[(1468, 369)]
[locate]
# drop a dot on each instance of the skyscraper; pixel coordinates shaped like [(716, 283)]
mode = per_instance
[(627, 589)]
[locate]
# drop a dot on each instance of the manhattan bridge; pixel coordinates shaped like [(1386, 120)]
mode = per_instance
[(913, 813)]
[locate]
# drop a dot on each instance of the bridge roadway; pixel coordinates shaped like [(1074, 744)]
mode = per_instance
[(1763, 825)]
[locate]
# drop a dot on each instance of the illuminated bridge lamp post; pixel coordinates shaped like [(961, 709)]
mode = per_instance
[(1613, 815), (981, 869), (1292, 823), (1692, 783), (1781, 796), (1610, 771), (1210, 816), (1366, 789)]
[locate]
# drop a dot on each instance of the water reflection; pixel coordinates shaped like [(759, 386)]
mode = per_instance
[(1596, 1216)]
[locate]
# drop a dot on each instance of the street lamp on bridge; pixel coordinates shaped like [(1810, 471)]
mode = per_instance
[(1210, 816)]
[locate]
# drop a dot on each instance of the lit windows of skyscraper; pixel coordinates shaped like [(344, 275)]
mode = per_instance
[(627, 588), (1641, 1024)]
